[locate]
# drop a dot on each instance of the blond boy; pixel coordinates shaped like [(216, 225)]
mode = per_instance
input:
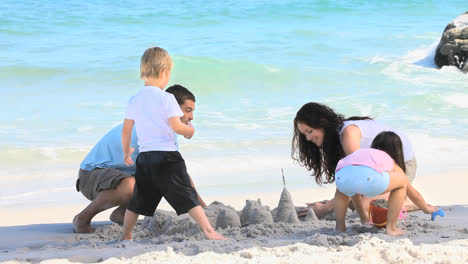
[(160, 169)]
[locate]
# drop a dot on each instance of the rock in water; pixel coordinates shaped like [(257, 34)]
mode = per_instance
[(453, 46), (286, 212)]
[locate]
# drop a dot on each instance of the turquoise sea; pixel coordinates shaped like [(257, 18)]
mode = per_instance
[(67, 69)]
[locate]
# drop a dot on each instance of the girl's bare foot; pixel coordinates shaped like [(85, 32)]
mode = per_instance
[(125, 237), (394, 231), (364, 220), (340, 228), (81, 226), (213, 235)]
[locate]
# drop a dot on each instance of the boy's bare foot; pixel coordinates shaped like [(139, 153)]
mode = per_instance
[(81, 226), (394, 231), (213, 235), (117, 216)]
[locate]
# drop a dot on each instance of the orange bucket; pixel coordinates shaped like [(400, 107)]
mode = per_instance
[(377, 215)]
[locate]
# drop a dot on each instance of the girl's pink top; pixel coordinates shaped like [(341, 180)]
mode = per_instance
[(374, 158)]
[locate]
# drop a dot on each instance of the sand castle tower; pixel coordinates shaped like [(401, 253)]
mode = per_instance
[(228, 217), (255, 213), (286, 212), (311, 216), (213, 210), (250, 205), (260, 215)]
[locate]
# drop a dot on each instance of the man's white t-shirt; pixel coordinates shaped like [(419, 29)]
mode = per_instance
[(151, 109)]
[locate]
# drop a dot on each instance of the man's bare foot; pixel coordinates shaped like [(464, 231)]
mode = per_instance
[(81, 226), (394, 231), (117, 216), (213, 235)]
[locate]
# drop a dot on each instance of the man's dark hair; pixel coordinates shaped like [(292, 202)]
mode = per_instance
[(180, 93)]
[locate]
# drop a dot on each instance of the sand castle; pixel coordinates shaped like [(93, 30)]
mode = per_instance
[(255, 213), (254, 227), (222, 217), (228, 217)]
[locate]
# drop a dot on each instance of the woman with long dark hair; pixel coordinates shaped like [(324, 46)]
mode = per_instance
[(323, 137)]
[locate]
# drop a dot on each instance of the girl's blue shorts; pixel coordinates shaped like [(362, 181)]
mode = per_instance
[(360, 179)]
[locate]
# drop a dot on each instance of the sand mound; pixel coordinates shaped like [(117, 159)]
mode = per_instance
[(286, 212), (222, 217), (228, 217), (311, 216)]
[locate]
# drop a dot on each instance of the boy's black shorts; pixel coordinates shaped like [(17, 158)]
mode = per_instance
[(162, 174)]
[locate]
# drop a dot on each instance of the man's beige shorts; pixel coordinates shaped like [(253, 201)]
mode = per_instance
[(90, 183)]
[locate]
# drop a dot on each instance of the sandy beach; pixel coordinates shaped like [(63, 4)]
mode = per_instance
[(45, 236), (69, 68)]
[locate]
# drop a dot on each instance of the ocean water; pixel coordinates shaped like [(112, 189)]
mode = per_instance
[(67, 69)]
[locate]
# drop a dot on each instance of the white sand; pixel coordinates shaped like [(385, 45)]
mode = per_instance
[(45, 235)]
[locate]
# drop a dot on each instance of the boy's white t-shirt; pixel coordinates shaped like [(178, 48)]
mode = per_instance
[(151, 109)]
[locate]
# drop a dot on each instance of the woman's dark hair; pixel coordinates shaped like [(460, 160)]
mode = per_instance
[(390, 142), (319, 160)]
